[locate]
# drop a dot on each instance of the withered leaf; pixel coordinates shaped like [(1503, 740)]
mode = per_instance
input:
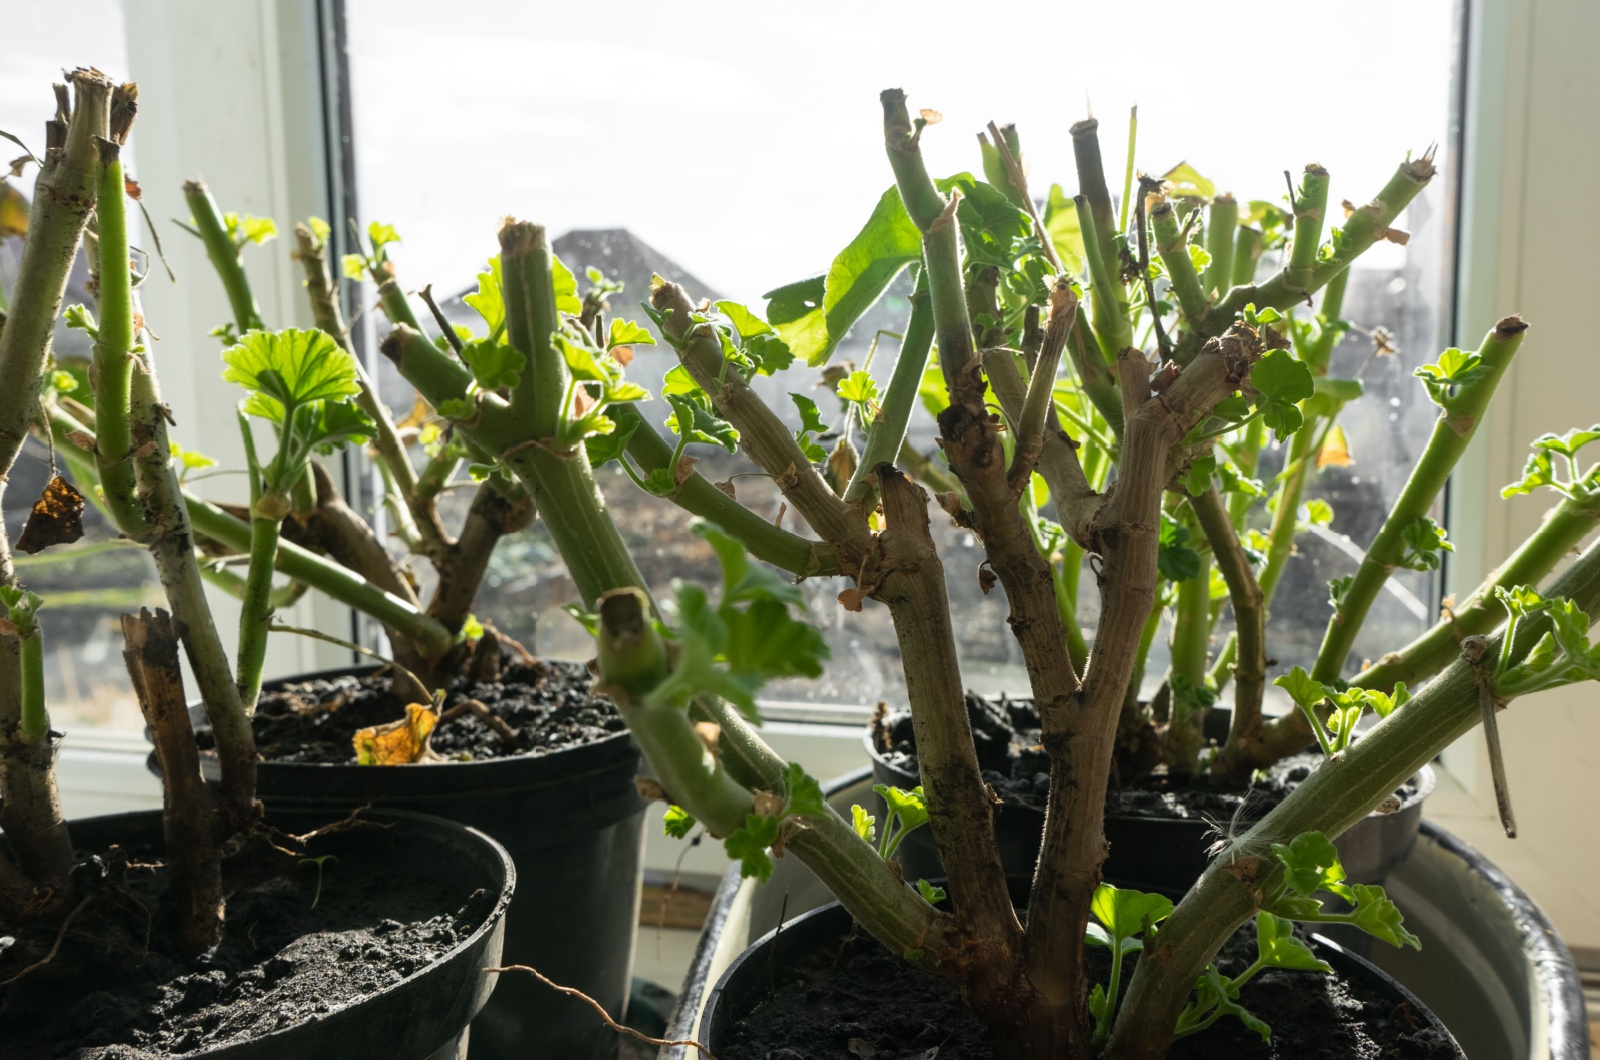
[(851, 599), (56, 519), (623, 355), (398, 742), (131, 186), (986, 578)]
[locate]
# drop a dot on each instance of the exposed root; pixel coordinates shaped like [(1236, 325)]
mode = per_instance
[(572, 991)]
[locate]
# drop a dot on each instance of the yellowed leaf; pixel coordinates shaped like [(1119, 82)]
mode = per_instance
[(13, 211), (398, 742), (1335, 451)]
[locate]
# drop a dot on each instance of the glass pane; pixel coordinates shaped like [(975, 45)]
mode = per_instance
[(85, 589), (740, 149)]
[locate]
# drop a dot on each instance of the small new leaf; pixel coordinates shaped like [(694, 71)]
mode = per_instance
[(1282, 382), (677, 823), (748, 845)]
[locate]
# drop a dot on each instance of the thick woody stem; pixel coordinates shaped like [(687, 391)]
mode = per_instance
[(1127, 536), (493, 515), (189, 820)]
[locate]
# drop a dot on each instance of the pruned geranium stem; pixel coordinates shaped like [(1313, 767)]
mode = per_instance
[(63, 199), (113, 347), (190, 822), (1563, 529), (1458, 421), (888, 433), (224, 255), (1221, 225)]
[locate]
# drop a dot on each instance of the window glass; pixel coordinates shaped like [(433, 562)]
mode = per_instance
[(85, 588), (740, 148)]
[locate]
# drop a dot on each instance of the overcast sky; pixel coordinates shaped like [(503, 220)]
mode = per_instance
[(744, 139)]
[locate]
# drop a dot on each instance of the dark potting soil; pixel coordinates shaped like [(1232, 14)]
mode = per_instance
[(1006, 733), (547, 705), (854, 1000), (295, 948)]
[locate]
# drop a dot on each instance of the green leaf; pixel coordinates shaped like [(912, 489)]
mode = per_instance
[(494, 364), (693, 420), (1061, 222), (1538, 471), (1311, 864), (1425, 540), (457, 408), (1187, 183), (381, 235), (1278, 947), (1199, 477), (743, 579), (354, 266), (1283, 382), (1379, 917), (320, 229), (489, 300), (1126, 912), (813, 318), (931, 894), (863, 822), (1343, 391), (795, 310), (1301, 688), (858, 387), (249, 229), (603, 448), (1453, 370), (565, 288), (282, 369), (748, 845), (1318, 512), (810, 423), (583, 360), (909, 808), (1097, 1001), (764, 642), (768, 353), (628, 333), (328, 425), (1337, 587), (802, 793), (188, 459), (1175, 559), (1385, 703), (1211, 995), (1567, 444), (746, 323), (677, 823)]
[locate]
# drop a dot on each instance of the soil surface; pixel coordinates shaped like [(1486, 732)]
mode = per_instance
[(856, 1001), (546, 704), (1006, 733), (296, 947)]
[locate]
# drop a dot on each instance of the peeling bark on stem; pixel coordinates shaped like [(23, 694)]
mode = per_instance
[(190, 821)]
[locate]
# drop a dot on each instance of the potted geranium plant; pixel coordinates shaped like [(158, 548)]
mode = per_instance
[(209, 925), (1223, 368)]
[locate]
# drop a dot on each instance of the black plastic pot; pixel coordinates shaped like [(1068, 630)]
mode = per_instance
[(425, 1016), (1157, 853), (750, 976), (573, 823), (1491, 966)]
